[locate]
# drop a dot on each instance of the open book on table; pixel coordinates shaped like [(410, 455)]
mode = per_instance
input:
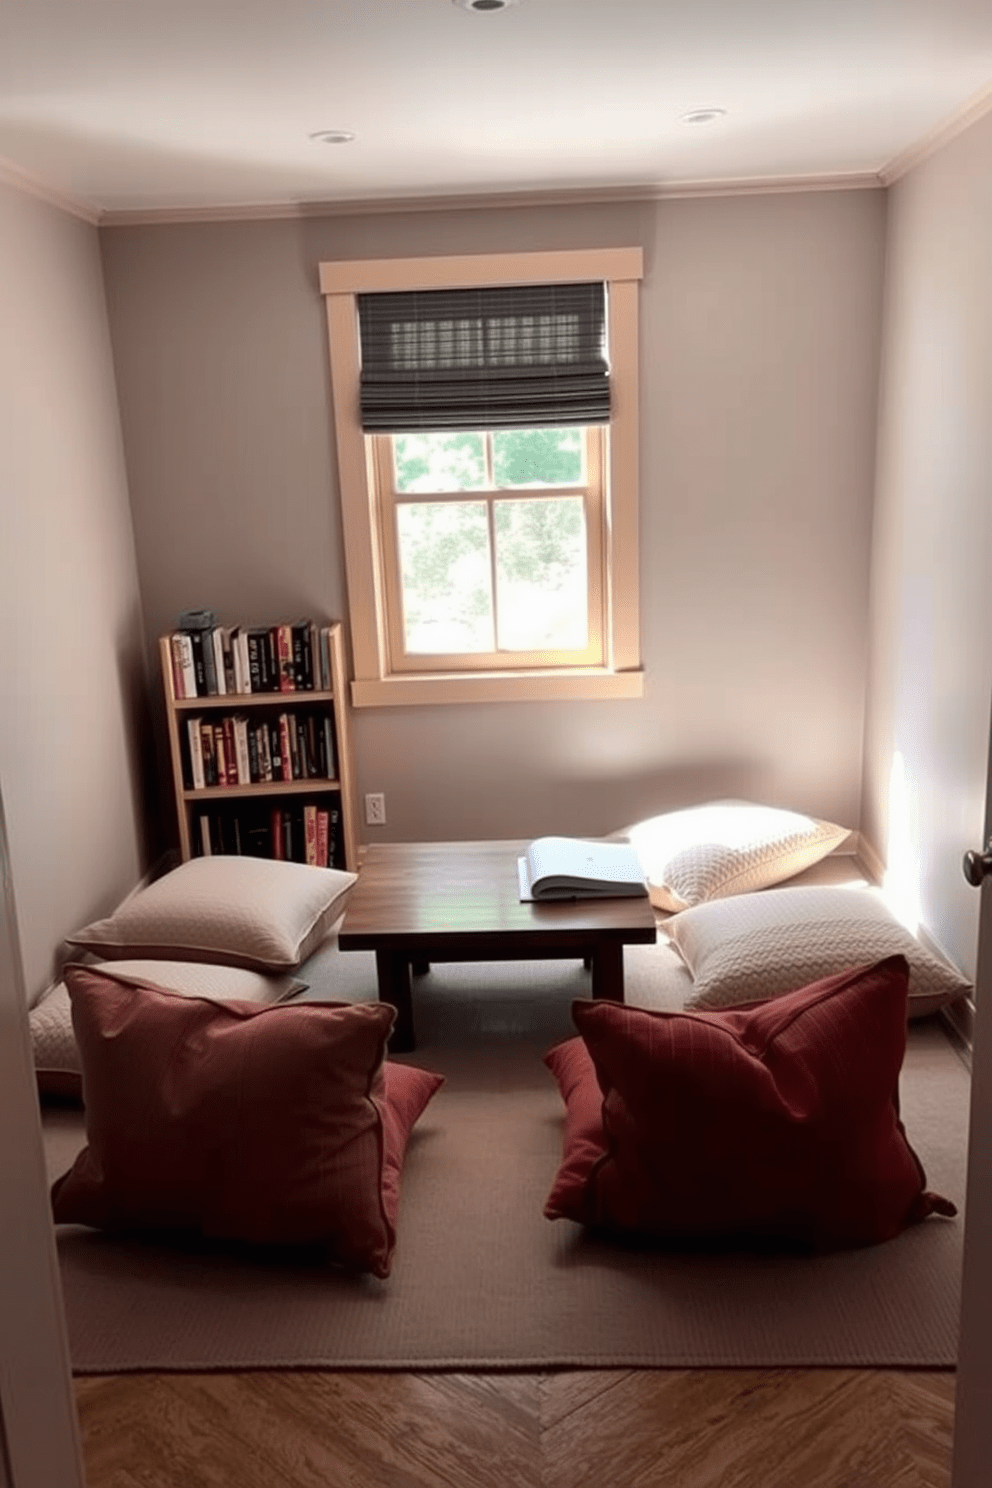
[(579, 868)]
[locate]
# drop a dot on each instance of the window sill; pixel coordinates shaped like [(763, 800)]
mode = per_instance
[(495, 687)]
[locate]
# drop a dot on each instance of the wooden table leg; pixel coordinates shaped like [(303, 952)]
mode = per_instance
[(607, 970), (393, 970)]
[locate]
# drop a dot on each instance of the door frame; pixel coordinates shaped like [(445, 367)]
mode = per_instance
[(39, 1429), (972, 1459)]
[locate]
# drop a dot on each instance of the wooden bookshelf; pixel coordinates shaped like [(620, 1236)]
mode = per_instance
[(215, 801)]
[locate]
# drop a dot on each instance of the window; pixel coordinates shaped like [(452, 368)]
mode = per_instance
[(495, 560), (485, 413)]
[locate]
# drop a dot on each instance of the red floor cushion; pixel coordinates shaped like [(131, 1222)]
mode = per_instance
[(779, 1120), (278, 1124)]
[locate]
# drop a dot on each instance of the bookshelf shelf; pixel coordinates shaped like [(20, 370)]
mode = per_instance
[(226, 828), (313, 786), (232, 701)]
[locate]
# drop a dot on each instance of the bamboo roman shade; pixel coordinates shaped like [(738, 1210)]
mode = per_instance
[(490, 358)]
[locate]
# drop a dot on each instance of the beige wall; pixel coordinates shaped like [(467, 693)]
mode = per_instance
[(927, 733), (72, 659), (760, 334)]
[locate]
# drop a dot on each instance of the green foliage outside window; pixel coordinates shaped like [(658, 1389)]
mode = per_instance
[(540, 542)]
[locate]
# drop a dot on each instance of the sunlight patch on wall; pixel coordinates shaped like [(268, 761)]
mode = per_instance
[(900, 884)]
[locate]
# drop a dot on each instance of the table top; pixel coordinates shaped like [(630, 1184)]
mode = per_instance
[(410, 891)]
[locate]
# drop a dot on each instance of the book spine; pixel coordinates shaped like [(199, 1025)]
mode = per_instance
[(183, 670), (316, 672), (301, 639), (264, 753), (230, 751), (261, 674), (335, 846), (178, 683), (285, 750), (310, 834), (206, 846), (310, 746), (271, 653), (325, 658), (258, 836), (254, 664), (241, 751), (323, 824), (254, 763), (330, 754), (193, 733), (275, 832), (239, 645), (297, 742), (284, 657), (209, 753), (287, 836), (299, 737), (300, 634), (199, 666), (227, 654), (216, 640), (205, 640), (220, 755), (275, 748)]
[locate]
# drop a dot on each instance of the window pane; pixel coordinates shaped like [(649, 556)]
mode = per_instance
[(538, 457), (439, 462), (445, 570), (541, 574)]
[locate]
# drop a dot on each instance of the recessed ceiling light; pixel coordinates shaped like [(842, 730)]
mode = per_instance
[(333, 136), (485, 7), (704, 115)]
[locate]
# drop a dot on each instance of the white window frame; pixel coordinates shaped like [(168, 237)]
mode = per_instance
[(377, 683)]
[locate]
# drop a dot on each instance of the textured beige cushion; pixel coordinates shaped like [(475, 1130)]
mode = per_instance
[(755, 946), (53, 1043), (726, 847), (258, 913), (203, 979)]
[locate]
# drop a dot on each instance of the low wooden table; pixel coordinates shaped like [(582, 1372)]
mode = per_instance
[(418, 902)]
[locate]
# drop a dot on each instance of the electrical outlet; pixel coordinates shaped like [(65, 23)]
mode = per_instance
[(375, 809)]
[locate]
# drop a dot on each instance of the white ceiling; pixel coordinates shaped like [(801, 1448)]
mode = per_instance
[(131, 106)]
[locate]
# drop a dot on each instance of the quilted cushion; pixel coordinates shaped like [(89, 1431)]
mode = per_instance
[(778, 1121), (268, 1125), (758, 945), (264, 914), (726, 847)]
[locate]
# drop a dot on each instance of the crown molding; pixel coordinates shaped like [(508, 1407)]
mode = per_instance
[(23, 181), (942, 134), (479, 201), (969, 113)]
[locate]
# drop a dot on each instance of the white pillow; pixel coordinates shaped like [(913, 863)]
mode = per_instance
[(56, 1056), (726, 847), (263, 914), (756, 946)]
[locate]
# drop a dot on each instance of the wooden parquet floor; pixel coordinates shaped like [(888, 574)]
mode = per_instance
[(746, 1428)]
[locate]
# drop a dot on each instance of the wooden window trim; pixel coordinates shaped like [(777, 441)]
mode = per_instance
[(376, 684), (591, 492)]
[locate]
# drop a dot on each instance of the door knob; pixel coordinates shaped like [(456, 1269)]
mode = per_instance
[(978, 865)]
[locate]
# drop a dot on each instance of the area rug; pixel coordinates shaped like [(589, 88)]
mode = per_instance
[(481, 1280)]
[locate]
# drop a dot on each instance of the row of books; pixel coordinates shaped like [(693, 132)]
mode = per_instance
[(217, 660), (237, 750), (305, 832)]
